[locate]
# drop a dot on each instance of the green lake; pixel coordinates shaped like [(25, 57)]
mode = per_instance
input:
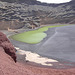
[(33, 37)]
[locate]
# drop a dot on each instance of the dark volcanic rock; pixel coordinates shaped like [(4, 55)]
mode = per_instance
[(18, 13), (10, 24), (21, 1), (7, 46)]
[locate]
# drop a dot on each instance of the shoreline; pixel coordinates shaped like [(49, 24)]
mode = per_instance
[(38, 60), (50, 64), (35, 58)]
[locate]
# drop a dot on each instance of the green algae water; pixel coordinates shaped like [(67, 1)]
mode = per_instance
[(33, 37)]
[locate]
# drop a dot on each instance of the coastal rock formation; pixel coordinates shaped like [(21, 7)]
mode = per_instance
[(7, 46), (8, 67), (10, 24)]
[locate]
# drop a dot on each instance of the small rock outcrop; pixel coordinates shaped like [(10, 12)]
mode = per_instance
[(7, 46)]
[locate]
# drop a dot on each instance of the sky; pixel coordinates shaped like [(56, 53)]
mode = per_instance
[(54, 1)]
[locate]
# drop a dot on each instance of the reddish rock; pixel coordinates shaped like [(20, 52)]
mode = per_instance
[(9, 67), (3, 38), (7, 46)]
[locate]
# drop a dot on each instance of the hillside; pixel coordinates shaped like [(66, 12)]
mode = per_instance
[(25, 13), (9, 67)]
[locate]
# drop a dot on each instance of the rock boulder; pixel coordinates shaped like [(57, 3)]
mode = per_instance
[(7, 46)]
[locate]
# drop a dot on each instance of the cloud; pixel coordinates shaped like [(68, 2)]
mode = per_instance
[(54, 1)]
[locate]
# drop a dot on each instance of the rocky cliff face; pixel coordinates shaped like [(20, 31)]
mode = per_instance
[(6, 46), (27, 11)]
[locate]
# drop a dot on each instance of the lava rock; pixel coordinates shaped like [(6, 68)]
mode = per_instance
[(7, 46)]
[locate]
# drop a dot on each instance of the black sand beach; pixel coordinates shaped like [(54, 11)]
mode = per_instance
[(59, 44)]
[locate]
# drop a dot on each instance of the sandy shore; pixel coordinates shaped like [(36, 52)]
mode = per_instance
[(9, 67), (36, 58)]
